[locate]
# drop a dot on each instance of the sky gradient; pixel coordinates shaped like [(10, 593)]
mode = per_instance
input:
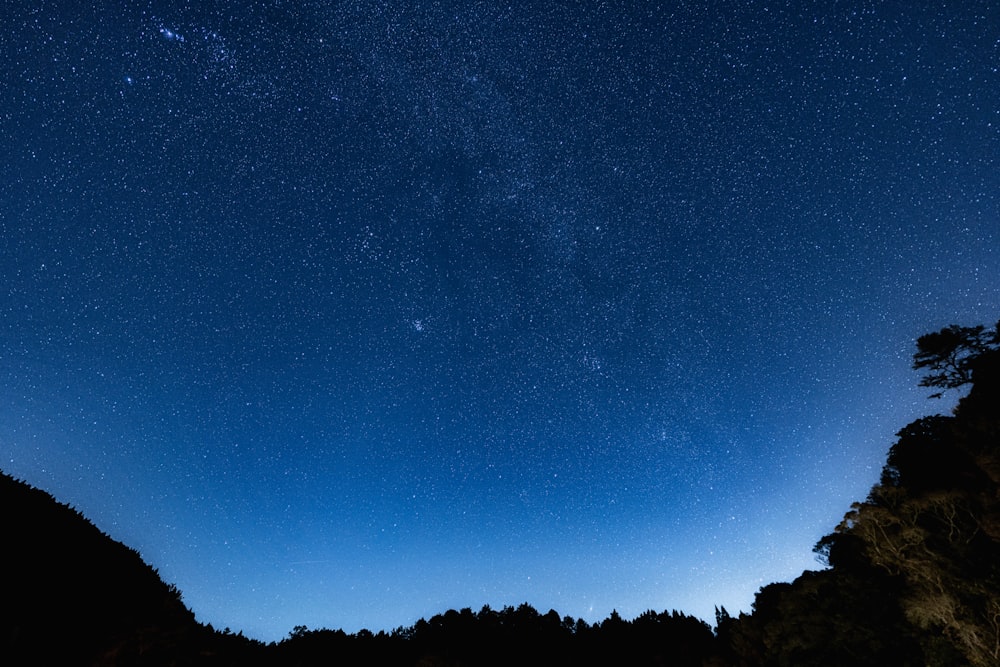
[(347, 313)]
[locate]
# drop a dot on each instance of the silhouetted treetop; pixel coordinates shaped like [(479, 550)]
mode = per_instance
[(951, 353)]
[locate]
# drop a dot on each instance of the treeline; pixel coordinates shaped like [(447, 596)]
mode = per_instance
[(913, 579), (510, 636)]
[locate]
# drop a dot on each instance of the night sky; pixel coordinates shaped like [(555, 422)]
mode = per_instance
[(348, 313)]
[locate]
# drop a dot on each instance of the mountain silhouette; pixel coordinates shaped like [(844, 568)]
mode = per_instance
[(74, 596)]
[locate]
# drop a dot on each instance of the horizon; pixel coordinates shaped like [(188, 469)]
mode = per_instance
[(344, 316)]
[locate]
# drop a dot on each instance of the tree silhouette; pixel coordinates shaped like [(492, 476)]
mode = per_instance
[(914, 574), (951, 353), (933, 520)]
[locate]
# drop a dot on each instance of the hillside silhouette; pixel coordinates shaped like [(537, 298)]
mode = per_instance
[(913, 578), (74, 596)]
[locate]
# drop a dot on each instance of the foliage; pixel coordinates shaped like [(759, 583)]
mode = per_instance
[(512, 635), (931, 521), (951, 353), (914, 574)]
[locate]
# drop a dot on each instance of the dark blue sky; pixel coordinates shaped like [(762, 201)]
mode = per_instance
[(347, 313)]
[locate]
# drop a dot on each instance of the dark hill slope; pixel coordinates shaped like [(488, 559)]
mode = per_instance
[(73, 596)]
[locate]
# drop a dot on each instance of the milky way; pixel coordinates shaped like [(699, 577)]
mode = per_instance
[(345, 314)]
